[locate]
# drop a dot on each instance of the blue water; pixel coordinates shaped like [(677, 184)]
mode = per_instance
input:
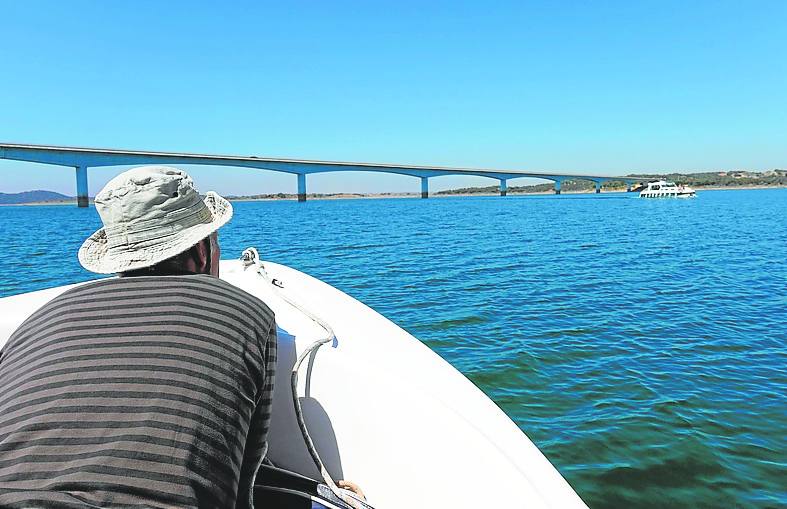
[(641, 344)]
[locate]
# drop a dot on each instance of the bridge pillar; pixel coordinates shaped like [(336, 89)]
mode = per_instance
[(301, 187), (598, 186), (503, 187), (82, 197), (424, 187), (557, 185)]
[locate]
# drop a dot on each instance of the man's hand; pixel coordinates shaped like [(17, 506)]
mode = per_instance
[(347, 485)]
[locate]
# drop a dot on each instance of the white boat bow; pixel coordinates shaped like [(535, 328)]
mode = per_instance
[(383, 410)]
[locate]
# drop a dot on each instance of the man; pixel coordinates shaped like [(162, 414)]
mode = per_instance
[(148, 390)]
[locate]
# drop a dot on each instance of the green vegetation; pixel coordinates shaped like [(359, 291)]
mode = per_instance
[(292, 196), (566, 186), (775, 178), (771, 178)]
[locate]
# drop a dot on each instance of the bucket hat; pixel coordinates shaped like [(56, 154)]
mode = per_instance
[(150, 213)]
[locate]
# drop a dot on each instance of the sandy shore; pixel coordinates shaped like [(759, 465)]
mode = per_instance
[(736, 188)]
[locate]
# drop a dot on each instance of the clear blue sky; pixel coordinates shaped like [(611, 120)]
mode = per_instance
[(585, 87)]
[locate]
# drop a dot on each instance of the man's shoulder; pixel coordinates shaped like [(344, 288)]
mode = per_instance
[(228, 289), (194, 284), (253, 306)]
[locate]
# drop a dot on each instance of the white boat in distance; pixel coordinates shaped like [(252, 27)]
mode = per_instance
[(665, 189), (380, 409)]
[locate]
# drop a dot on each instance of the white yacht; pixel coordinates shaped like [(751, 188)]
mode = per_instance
[(374, 406), (665, 189)]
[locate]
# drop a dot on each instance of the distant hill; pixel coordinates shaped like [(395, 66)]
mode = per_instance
[(32, 197)]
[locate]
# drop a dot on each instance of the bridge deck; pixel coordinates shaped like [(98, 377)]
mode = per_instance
[(82, 158)]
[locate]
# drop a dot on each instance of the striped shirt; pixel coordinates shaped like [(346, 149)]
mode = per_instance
[(149, 391)]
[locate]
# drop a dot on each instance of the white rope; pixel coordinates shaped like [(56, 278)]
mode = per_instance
[(250, 257)]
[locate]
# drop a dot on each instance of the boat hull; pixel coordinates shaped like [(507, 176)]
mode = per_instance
[(644, 194)]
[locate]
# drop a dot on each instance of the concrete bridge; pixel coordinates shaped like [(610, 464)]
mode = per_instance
[(83, 158)]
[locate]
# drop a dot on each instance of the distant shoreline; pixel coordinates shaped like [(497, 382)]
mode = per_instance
[(39, 203), (378, 196), (371, 196)]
